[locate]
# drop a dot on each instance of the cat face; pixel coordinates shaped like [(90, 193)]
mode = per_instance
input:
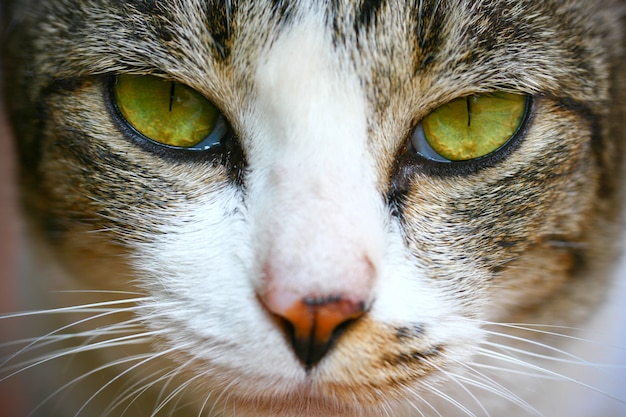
[(339, 236)]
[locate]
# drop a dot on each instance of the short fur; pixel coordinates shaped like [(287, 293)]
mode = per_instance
[(470, 271)]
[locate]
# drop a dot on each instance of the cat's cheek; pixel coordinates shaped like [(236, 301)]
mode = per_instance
[(196, 271)]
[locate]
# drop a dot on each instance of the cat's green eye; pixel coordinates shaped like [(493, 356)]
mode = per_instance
[(470, 127), (167, 112)]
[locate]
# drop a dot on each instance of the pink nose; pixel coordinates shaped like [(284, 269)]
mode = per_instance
[(316, 322)]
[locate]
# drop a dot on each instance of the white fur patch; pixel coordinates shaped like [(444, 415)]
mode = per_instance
[(318, 220)]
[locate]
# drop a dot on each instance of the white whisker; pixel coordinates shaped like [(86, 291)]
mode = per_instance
[(574, 360), (86, 375), (148, 358), (101, 314), (500, 369), (170, 376), (82, 308), (130, 392), (457, 380), (134, 339), (545, 371), (529, 328), (449, 399), (174, 393), (496, 388)]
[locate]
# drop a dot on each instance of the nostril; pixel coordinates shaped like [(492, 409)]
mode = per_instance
[(309, 349), (314, 323)]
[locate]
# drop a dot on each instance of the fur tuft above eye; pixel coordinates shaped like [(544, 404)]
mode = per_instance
[(470, 127), (168, 112)]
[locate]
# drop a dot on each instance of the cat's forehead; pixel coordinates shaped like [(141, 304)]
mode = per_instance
[(443, 46)]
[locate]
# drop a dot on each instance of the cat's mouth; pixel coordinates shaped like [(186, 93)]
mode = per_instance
[(357, 390), (363, 359)]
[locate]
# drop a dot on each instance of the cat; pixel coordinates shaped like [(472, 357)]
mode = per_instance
[(337, 208)]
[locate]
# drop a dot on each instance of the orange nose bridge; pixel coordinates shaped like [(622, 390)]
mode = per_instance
[(316, 322)]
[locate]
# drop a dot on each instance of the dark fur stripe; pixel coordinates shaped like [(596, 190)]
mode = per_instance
[(367, 13), (220, 20)]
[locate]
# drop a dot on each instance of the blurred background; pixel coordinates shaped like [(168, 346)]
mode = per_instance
[(10, 227)]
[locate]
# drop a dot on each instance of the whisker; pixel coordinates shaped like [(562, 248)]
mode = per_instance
[(90, 334), (124, 340), (490, 385), (529, 328), (423, 401), (85, 375), (131, 391), (204, 404), (115, 292), (170, 376), (52, 337), (206, 401), (514, 371), (138, 388), (449, 399), (100, 307), (148, 358), (575, 360), (224, 392), (174, 393), (454, 378), (47, 336), (545, 371)]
